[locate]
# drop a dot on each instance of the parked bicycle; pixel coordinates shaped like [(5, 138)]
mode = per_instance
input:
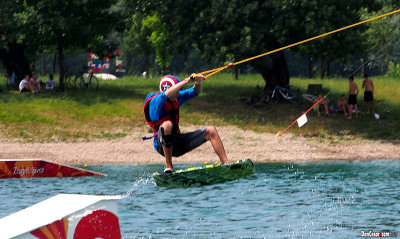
[(284, 95), (82, 81)]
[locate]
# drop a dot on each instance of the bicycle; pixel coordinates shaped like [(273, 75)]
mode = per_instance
[(68, 81), (87, 80), (82, 81), (281, 94), (309, 97)]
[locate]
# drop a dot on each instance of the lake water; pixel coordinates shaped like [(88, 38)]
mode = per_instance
[(282, 200)]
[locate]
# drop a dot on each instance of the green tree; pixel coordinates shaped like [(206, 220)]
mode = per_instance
[(159, 40), (229, 31), (40, 25), (330, 16), (73, 24), (232, 30), (136, 39), (382, 36), (16, 36), (149, 31)]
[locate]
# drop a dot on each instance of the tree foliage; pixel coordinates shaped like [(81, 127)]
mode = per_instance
[(324, 16), (72, 24), (232, 30), (382, 36), (136, 38), (17, 33), (159, 40), (219, 30), (47, 24)]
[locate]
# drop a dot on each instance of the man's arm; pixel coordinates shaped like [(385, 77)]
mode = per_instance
[(198, 87), (171, 92)]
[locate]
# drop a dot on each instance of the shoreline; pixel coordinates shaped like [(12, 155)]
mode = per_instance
[(239, 144)]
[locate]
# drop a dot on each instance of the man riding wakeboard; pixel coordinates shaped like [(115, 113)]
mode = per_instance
[(162, 114)]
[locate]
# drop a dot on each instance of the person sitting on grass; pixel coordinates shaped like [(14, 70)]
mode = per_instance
[(50, 83), (25, 85), (35, 83), (323, 105), (162, 114), (342, 105)]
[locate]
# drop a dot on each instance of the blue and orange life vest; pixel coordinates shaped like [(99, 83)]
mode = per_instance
[(171, 109)]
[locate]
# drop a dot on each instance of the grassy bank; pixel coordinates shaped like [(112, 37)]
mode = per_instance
[(117, 107)]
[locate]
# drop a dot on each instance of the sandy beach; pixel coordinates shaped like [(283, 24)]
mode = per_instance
[(239, 144)]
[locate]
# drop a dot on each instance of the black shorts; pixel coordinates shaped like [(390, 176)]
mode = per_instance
[(183, 143), (352, 100), (368, 97)]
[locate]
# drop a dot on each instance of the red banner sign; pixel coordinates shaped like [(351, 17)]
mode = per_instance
[(40, 168)]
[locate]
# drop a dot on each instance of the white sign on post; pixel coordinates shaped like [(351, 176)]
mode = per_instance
[(302, 120)]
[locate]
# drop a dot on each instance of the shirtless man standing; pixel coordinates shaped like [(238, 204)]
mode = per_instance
[(368, 93), (352, 99)]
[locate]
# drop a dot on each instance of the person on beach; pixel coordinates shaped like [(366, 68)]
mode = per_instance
[(162, 114), (352, 97), (368, 85)]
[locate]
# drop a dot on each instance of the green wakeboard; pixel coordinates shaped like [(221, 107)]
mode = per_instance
[(205, 175)]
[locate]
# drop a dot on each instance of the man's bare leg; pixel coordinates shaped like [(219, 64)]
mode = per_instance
[(167, 126), (212, 135), (344, 109), (350, 111)]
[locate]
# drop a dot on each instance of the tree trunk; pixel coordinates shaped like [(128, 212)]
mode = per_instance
[(43, 64), (236, 73), (14, 60), (277, 74), (310, 75), (53, 66), (146, 57), (322, 67), (328, 68), (61, 65), (33, 67)]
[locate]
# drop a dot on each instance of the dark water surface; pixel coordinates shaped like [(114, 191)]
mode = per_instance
[(282, 200)]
